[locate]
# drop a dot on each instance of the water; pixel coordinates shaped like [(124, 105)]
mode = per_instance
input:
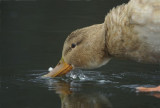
[(33, 33)]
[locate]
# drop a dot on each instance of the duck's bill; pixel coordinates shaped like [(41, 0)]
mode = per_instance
[(62, 68)]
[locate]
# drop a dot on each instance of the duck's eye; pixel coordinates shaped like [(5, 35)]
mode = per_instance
[(73, 45)]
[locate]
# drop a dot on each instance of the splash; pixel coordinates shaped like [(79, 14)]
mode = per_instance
[(50, 69), (77, 74)]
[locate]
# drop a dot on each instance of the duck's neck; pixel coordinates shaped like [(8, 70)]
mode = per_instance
[(121, 41)]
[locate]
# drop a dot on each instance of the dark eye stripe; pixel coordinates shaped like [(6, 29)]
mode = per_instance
[(70, 48), (67, 50), (79, 41)]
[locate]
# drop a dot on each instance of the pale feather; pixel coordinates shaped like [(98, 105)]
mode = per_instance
[(145, 15), (133, 30)]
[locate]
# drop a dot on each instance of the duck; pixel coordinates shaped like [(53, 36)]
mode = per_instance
[(129, 31)]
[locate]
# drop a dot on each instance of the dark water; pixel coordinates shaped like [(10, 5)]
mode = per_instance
[(32, 36)]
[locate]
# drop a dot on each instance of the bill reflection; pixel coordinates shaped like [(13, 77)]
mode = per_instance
[(72, 96)]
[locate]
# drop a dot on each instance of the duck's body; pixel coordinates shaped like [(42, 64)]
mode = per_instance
[(130, 31), (133, 31)]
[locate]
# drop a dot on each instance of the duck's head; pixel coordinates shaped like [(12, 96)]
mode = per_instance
[(84, 48)]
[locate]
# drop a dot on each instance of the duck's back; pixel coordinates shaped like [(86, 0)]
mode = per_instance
[(145, 16), (139, 34)]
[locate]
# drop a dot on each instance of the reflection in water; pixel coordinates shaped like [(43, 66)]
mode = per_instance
[(74, 98), (76, 89), (157, 95), (92, 89)]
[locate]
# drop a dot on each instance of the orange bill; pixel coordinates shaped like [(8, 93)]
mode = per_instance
[(61, 69)]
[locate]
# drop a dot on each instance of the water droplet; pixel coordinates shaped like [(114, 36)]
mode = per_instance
[(73, 76), (50, 69), (82, 76)]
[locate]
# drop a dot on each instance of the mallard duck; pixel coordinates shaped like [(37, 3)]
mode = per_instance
[(130, 31)]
